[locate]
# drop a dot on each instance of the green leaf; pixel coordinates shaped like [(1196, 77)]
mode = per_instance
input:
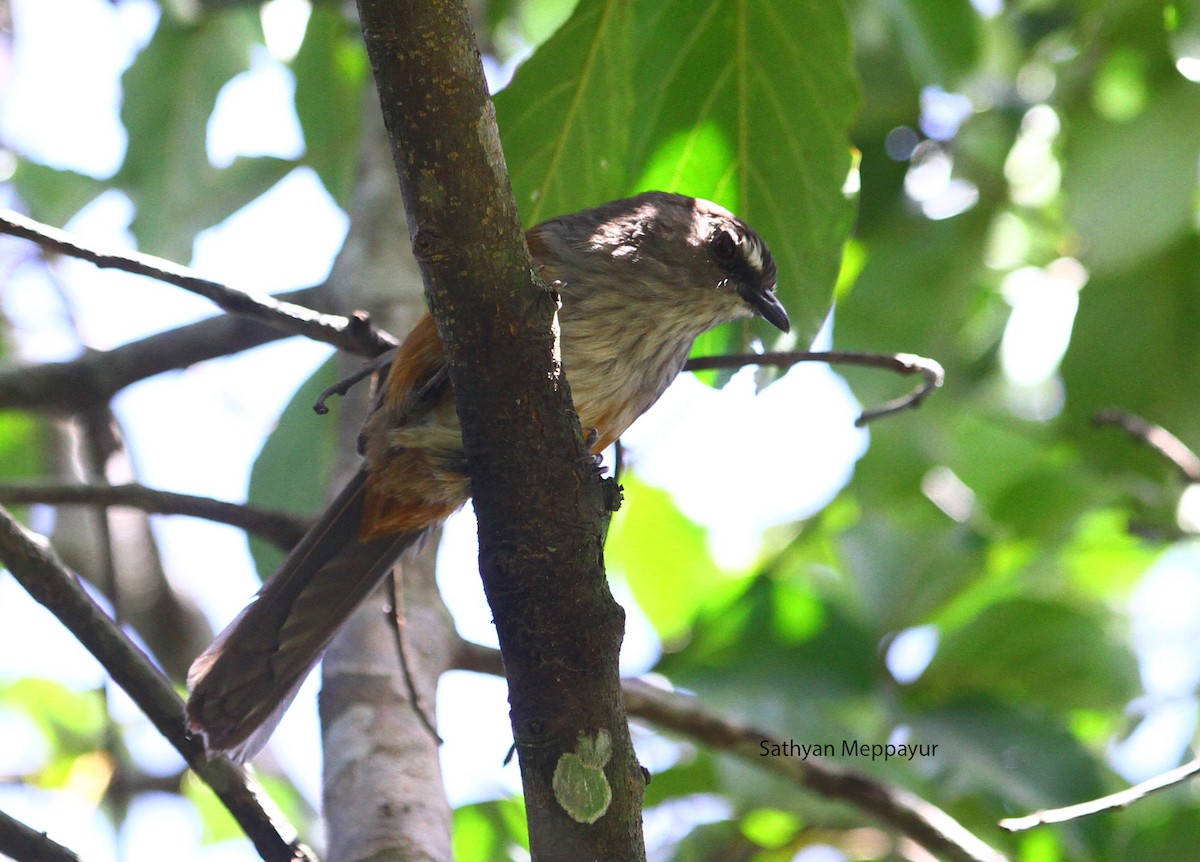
[(1018, 762), (564, 119), (813, 683), (22, 446), (664, 558), (720, 840), (294, 468), (749, 104), (726, 101), (770, 827), (490, 831), (697, 774), (170, 91), (216, 823), (331, 72), (1170, 836), (907, 568), (1136, 347), (52, 195), (1109, 161), (938, 37), (1104, 556), (1036, 651), (73, 720)]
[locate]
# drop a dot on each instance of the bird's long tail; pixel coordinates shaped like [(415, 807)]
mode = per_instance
[(243, 683)]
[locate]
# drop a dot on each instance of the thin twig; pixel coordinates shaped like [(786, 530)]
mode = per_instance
[(37, 568), (901, 363), (904, 811), (281, 528), (344, 385), (1159, 439), (25, 844), (354, 334), (1120, 799), (396, 621)]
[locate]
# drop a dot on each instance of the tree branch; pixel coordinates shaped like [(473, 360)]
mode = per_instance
[(92, 379), (36, 567), (902, 363), (899, 808), (281, 528), (24, 844), (894, 806), (354, 334), (540, 502), (1120, 799), (1159, 439)]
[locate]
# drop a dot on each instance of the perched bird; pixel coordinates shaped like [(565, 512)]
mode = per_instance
[(639, 280)]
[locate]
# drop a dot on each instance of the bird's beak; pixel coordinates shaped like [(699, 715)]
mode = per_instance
[(763, 301)]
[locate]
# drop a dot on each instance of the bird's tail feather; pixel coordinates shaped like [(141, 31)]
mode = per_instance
[(243, 683)]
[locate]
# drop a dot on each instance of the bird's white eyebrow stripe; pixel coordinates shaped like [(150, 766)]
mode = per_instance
[(754, 253)]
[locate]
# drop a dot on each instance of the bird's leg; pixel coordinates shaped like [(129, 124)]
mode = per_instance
[(591, 438)]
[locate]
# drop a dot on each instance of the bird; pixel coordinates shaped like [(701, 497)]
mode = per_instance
[(639, 279)]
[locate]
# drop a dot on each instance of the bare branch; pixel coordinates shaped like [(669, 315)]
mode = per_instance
[(37, 568), (901, 363), (1120, 799), (20, 842), (1159, 439), (900, 809), (281, 528), (354, 334), (92, 379)]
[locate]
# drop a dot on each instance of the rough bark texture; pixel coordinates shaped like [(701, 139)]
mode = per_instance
[(540, 503)]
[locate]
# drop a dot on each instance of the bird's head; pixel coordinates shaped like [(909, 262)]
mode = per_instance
[(669, 251)]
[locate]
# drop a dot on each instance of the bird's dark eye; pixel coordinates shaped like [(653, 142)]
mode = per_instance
[(724, 246)]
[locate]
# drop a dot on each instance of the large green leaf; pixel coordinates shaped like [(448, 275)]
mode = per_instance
[(907, 567), (564, 119), (1037, 651), (939, 38), (1124, 185), (169, 94), (745, 103), (331, 71), (1136, 347), (749, 104)]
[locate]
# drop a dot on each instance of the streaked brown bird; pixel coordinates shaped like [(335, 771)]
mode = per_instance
[(639, 278)]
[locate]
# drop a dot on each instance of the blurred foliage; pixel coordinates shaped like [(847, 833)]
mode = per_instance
[(1026, 214)]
